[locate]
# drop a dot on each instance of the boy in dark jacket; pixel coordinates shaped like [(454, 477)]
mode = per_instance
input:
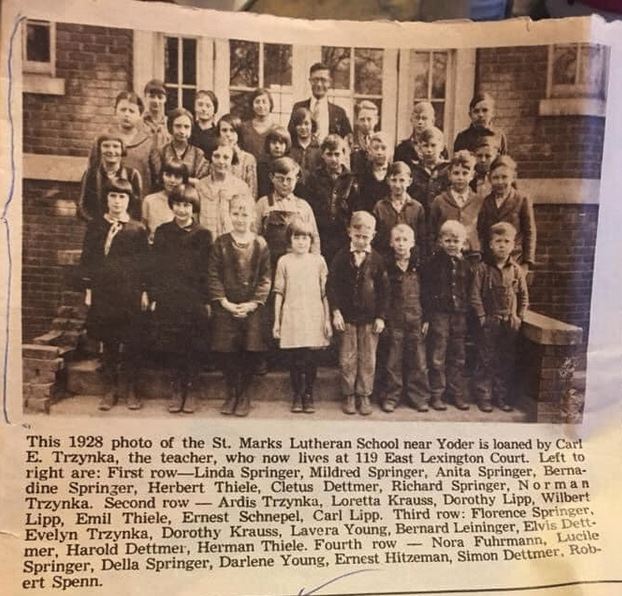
[(358, 290), (406, 370), (445, 283)]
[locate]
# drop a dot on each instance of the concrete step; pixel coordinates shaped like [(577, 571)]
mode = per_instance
[(84, 378), (579, 381), (84, 381)]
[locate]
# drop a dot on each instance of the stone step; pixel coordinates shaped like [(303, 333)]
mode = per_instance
[(64, 324), (579, 381), (84, 378)]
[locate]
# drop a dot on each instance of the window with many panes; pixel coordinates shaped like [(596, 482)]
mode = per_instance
[(357, 75), (258, 64), (577, 70), (180, 72), (429, 71), (39, 47)]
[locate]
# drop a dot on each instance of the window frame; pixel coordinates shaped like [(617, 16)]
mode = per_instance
[(180, 85), (577, 104), (35, 67), (281, 90)]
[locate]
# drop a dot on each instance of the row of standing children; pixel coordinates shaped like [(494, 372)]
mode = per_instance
[(333, 192), (360, 295)]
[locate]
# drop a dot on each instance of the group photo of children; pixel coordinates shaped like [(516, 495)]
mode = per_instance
[(242, 245)]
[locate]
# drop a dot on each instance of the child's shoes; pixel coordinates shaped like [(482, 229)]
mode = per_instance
[(307, 403), (349, 405), (460, 403), (365, 406), (388, 405), (108, 401), (228, 408), (243, 406), (297, 406), (436, 403)]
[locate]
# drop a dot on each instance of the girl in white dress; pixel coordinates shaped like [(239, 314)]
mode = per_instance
[(301, 313)]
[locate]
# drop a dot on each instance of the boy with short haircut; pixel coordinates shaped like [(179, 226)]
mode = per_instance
[(332, 192), (154, 117), (276, 211), (406, 370), (458, 202), (445, 281), (506, 203), (499, 297), (486, 151), (422, 117), (372, 175), (358, 290), (399, 207), (430, 173), (365, 125)]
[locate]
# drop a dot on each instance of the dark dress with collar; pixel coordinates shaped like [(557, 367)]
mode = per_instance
[(116, 280), (178, 284)]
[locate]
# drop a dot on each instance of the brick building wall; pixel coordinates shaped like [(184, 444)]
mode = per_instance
[(562, 284), (96, 63), (50, 225), (543, 146)]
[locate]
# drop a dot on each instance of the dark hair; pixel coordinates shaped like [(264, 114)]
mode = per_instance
[(177, 113), (208, 93), (298, 227), (332, 142), (132, 98), (481, 97), (284, 165), (258, 93), (462, 158), (120, 185), (298, 116), (278, 133), (234, 121), (109, 136), (318, 66), (155, 86), (177, 168), (185, 193)]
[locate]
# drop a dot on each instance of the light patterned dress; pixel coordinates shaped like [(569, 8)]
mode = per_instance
[(301, 280)]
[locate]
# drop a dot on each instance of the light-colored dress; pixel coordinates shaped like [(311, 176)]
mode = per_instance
[(301, 280), (156, 211), (215, 196)]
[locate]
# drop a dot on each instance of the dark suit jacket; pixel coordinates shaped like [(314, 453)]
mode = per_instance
[(338, 122)]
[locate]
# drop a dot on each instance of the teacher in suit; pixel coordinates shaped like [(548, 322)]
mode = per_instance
[(330, 118)]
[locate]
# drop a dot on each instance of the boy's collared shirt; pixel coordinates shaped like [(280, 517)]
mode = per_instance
[(445, 282), (517, 210), (444, 207), (387, 217), (460, 198), (360, 293), (290, 204), (158, 129), (405, 294), (359, 255), (499, 291)]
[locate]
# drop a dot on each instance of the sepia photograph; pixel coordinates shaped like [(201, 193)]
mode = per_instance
[(226, 227)]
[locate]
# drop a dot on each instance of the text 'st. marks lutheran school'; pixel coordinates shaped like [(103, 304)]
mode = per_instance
[(550, 102)]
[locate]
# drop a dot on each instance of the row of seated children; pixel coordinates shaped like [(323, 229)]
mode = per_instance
[(359, 295)]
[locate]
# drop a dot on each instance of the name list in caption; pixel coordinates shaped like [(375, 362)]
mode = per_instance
[(97, 506)]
